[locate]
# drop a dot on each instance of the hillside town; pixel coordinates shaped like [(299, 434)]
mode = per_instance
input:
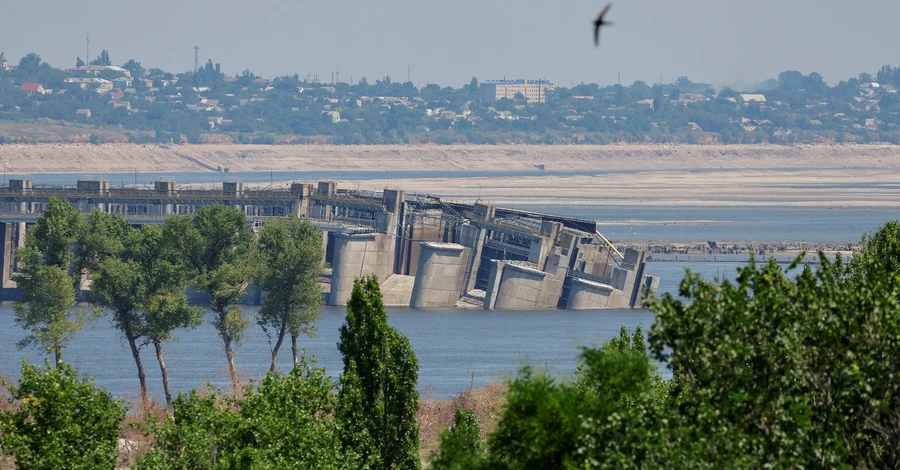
[(208, 106)]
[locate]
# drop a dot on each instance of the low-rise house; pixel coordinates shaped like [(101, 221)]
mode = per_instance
[(333, 116), (94, 70), (115, 95), (84, 112), (32, 88), (121, 104), (122, 82), (748, 98), (99, 84)]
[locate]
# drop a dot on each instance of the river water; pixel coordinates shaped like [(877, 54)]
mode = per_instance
[(450, 344)]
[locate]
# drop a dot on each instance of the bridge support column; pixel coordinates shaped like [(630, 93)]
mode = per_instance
[(6, 254), (20, 235)]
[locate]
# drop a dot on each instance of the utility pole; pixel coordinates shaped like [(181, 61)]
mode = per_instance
[(409, 73), (337, 75), (196, 58)]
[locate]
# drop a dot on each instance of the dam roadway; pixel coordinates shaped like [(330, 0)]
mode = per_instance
[(427, 253)]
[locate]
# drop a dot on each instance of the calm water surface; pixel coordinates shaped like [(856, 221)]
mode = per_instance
[(448, 343)]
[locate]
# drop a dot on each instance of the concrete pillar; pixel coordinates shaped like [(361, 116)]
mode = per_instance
[(521, 287), (300, 207), (357, 255), (490, 294), (439, 277), (589, 295), (6, 255), (20, 235), (472, 237)]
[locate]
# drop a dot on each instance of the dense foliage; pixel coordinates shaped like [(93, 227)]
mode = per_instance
[(378, 397), (291, 251), (218, 247), (779, 369), (49, 277), (208, 106), (287, 423), (60, 421)]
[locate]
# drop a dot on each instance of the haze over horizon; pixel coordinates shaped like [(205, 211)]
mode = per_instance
[(448, 44)]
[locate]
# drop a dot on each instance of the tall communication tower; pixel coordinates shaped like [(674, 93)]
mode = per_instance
[(87, 53), (196, 58)]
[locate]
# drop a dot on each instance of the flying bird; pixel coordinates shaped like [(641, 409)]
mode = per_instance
[(600, 21)]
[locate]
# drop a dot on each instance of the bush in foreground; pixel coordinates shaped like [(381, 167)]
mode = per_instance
[(60, 421)]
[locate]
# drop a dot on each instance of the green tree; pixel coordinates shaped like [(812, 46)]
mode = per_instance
[(164, 304), (291, 250), (60, 422), (46, 307), (788, 372), (54, 234), (217, 245), (118, 283), (135, 67), (288, 423), (378, 397), (48, 278), (882, 245), (102, 59), (603, 419), (29, 64), (461, 444)]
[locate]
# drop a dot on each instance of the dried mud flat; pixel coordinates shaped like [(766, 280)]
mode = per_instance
[(649, 175), (120, 158)]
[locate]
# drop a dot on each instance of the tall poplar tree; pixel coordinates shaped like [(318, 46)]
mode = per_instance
[(378, 397), (217, 245), (291, 251)]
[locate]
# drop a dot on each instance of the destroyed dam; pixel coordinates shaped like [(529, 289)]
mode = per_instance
[(426, 253)]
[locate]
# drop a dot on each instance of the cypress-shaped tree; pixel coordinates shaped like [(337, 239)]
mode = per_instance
[(378, 397)]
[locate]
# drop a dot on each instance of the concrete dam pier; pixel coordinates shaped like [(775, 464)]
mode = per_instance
[(426, 252)]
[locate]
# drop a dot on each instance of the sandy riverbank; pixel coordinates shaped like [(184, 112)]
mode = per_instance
[(111, 158), (650, 175)]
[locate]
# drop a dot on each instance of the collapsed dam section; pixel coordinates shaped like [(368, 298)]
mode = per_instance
[(426, 252)]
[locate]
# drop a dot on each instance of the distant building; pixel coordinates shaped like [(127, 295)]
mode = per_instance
[(534, 91), (100, 84), (122, 82), (83, 112), (333, 117), (32, 87), (4, 65), (94, 70), (749, 98)]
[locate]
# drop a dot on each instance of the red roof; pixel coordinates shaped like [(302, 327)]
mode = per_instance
[(30, 86)]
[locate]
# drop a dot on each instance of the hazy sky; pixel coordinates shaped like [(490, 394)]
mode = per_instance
[(449, 42)]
